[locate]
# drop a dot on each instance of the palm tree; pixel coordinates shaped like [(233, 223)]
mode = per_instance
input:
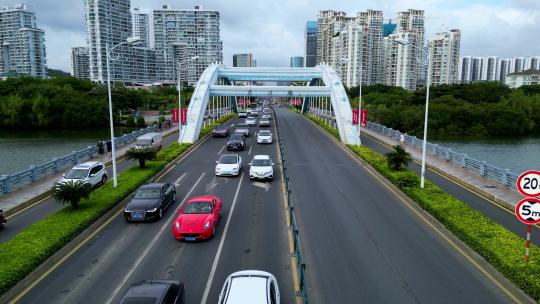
[(71, 192), (142, 154), (395, 159)]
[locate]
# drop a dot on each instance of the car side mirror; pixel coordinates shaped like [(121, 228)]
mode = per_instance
[(64, 175), (249, 164), (273, 164), (217, 162), (92, 175)]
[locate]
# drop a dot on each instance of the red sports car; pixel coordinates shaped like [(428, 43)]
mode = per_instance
[(197, 218)]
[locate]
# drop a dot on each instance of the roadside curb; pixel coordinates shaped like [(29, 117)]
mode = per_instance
[(472, 258), (82, 238)]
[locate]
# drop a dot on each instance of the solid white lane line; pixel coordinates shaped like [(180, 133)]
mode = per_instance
[(221, 150), (250, 147), (177, 182), (151, 244), (220, 247)]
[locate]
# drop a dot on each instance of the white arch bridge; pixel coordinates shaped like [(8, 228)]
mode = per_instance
[(321, 90)]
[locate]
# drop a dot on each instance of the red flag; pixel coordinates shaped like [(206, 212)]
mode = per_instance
[(363, 118), (175, 115), (355, 116), (184, 116)]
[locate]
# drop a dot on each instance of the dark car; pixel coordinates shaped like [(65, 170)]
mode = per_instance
[(221, 131), (155, 292), (149, 202), (237, 141)]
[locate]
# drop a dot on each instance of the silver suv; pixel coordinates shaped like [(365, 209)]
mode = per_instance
[(93, 173)]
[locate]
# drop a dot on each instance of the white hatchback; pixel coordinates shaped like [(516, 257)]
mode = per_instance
[(250, 287), (93, 173), (261, 167), (264, 137), (229, 165)]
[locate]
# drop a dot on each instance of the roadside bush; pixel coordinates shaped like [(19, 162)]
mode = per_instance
[(328, 128), (140, 122), (130, 121), (28, 249)]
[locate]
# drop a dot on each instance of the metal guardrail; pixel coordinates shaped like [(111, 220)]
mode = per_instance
[(504, 177), (300, 265), (9, 183)]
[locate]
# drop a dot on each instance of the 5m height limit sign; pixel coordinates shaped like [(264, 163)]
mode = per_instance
[(528, 209)]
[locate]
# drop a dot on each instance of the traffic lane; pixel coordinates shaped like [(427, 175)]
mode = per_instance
[(358, 238), (98, 265), (494, 212), (49, 206), (257, 236)]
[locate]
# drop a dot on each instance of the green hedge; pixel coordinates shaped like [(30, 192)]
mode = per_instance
[(501, 248), (324, 125), (211, 126), (28, 249)]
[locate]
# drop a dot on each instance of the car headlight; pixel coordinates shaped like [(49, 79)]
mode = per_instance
[(177, 225), (126, 210), (235, 168), (152, 210), (206, 226)]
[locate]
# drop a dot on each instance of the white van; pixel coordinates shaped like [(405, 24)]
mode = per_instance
[(152, 140)]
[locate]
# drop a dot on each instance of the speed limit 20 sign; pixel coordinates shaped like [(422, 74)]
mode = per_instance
[(528, 183), (528, 211)]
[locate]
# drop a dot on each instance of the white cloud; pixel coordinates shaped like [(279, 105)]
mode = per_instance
[(274, 30)]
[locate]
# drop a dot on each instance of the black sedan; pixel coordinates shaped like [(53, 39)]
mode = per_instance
[(220, 131), (149, 202), (155, 291), (237, 141)]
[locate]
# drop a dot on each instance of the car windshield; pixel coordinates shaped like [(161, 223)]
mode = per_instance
[(148, 193), (139, 300), (236, 137), (77, 174), (228, 159), (264, 133), (261, 163), (198, 207), (221, 127)]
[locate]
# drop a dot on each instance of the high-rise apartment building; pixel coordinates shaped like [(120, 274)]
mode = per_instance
[(329, 22), (196, 30), (22, 43), (141, 27), (243, 60), (372, 50), (80, 63), (347, 51), (109, 23), (310, 40), (297, 62), (444, 57)]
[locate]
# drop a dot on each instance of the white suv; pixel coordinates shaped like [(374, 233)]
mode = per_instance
[(261, 168), (250, 287), (93, 173)]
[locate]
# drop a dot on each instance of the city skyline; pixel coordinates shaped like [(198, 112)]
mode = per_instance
[(482, 23)]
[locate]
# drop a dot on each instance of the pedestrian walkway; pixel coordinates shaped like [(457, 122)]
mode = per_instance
[(504, 196), (35, 191)]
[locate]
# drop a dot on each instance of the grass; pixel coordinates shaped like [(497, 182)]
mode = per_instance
[(28, 249), (497, 245)]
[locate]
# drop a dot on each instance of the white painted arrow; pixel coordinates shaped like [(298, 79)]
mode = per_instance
[(265, 186)]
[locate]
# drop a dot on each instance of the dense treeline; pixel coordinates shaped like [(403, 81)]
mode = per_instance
[(483, 108), (66, 102)]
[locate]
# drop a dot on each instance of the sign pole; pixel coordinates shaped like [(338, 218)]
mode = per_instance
[(528, 243)]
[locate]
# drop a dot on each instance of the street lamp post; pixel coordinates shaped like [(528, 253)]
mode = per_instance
[(428, 84), (359, 99), (131, 40), (179, 67)]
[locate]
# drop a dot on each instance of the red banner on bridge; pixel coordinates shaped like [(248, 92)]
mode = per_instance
[(184, 116), (355, 116), (363, 118), (175, 115)]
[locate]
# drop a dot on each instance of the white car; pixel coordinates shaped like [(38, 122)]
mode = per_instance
[(250, 287), (242, 114), (251, 121), (93, 173), (242, 128), (266, 116), (261, 167), (264, 137), (229, 165)]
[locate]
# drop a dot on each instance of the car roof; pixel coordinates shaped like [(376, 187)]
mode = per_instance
[(226, 155), (152, 186), (150, 288), (248, 287), (261, 157), (85, 165), (202, 198)]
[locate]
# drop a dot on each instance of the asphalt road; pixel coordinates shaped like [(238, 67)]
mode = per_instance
[(49, 206), (360, 243), (123, 254), (490, 209)]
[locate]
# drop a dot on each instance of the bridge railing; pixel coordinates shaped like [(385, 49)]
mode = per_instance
[(292, 224), (504, 177), (12, 182)]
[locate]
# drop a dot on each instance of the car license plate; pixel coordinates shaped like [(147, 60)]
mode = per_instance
[(137, 216), (190, 238)]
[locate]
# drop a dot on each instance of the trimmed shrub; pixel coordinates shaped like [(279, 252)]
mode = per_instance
[(130, 121), (140, 122)]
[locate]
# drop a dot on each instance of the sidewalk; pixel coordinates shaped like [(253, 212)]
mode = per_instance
[(504, 196), (36, 191)]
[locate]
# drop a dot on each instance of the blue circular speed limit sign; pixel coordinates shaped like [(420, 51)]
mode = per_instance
[(528, 183)]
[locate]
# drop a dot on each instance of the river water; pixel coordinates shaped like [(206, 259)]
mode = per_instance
[(20, 149)]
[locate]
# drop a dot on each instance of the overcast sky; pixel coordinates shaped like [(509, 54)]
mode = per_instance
[(273, 30)]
